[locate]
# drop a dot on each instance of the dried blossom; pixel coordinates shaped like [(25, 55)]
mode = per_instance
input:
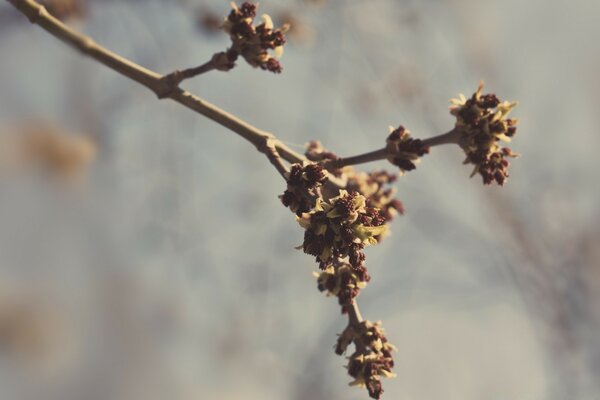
[(375, 187), (404, 151), (303, 183), (336, 233), (372, 358), (253, 42), (342, 280), (316, 152), (482, 122)]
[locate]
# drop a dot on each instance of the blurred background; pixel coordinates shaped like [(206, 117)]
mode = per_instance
[(144, 253)]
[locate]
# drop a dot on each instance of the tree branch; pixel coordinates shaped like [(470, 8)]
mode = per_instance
[(157, 83), (450, 137)]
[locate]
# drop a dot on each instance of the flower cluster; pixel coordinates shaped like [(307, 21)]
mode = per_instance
[(336, 233), (374, 186), (404, 151), (372, 358), (482, 122), (303, 183), (338, 225), (342, 280), (254, 42)]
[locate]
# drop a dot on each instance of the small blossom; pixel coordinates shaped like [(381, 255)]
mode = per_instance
[(404, 151), (342, 280), (483, 123), (303, 183), (253, 42), (372, 358), (374, 187), (336, 232)]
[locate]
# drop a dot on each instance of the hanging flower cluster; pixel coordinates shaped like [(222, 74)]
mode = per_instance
[(341, 227), (482, 122), (337, 229), (372, 358), (254, 42), (342, 280), (404, 151), (342, 216)]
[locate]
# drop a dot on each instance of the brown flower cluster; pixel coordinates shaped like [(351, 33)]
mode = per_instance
[(375, 187), (303, 185), (254, 42), (482, 122), (404, 151), (342, 280), (337, 229), (372, 358), (340, 223), (340, 228)]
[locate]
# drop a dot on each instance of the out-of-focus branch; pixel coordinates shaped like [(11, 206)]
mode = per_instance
[(157, 83)]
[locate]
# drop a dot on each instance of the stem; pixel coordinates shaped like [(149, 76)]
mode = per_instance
[(192, 72), (269, 150), (354, 320), (157, 83), (450, 137), (359, 159), (176, 77), (354, 317)]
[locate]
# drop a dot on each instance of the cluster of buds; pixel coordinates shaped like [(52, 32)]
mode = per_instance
[(375, 187), (303, 183), (336, 233), (337, 229), (317, 153), (404, 151), (254, 42), (372, 358), (482, 122), (342, 280)]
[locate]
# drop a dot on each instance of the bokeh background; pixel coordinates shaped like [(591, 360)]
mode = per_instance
[(144, 253)]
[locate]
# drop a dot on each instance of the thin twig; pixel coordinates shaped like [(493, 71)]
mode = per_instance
[(452, 136), (192, 72), (376, 155), (219, 61), (269, 150), (157, 83), (354, 317)]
